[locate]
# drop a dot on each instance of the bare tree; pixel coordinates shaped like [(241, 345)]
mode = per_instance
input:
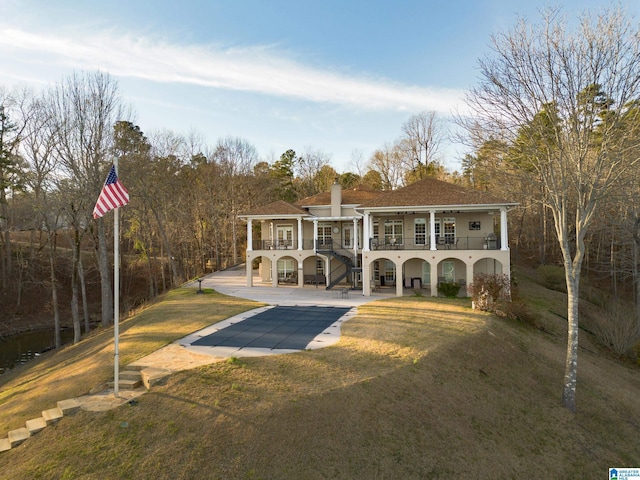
[(388, 163), (10, 135), (423, 136), (235, 158), (84, 109), (308, 170), (37, 149), (562, 97)]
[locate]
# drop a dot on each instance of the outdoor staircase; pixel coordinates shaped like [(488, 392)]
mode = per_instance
[(33, 426), (131, 378), (345, 260)]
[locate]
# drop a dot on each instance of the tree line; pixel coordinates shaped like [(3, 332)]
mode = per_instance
[(56, 147)]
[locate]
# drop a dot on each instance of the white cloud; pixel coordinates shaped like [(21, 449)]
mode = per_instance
[(257, 69)]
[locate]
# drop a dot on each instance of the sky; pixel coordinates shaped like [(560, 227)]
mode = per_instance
[(340, 77)]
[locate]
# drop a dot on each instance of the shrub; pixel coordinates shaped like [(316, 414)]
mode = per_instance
[(449, 289), (496, 293), (552, 277), (617, 329), (489, 287)]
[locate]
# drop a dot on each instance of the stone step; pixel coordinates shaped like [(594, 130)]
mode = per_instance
[(52, 415), (124, 384), (130, 375), (5, 444), (35, 425), (154, 376), (134, 367), (17, 436), (69, 407)]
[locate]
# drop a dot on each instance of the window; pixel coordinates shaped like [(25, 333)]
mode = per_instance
[(420, 231), (393, 232), (449, 271), (449, 228), (319, 266), (426, 273), (389, 272), (347, 236), (324, 234), (284, 236), (388, 275), (286, 268)]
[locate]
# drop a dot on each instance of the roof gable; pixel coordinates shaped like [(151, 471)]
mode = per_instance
[(279, 207)]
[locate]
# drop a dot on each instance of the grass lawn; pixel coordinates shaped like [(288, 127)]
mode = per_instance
[(416, 388)]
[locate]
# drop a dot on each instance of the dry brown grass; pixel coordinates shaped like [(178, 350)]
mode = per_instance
[(416, 389), (75, 370)]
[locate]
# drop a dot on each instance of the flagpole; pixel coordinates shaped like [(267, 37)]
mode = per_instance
[(116, 294)]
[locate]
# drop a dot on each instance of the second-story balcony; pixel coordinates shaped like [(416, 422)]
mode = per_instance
[(489, 242)]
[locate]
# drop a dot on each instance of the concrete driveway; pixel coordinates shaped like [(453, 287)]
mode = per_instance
[(233, 282)]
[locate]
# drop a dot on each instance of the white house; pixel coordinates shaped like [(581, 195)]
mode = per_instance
[(411, 238)]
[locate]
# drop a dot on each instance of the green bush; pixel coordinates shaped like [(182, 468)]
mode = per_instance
[(449, 289)]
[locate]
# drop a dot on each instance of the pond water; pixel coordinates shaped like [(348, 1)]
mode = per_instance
[(18, 349)]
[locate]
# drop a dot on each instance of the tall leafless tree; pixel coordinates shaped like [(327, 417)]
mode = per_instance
[(84, 109), (423, 136), (563, 95)]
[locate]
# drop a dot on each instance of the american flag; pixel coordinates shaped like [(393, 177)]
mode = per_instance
[(113, 195)]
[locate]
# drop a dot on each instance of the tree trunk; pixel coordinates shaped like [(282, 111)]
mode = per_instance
[(167, 246), (105, 275), (75, 314), (54, 288), (571, 361), (636, 275), (543, 240), (6, 257), (83, 291)]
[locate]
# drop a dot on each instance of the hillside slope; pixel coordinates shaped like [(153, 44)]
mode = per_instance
[(416, 388)]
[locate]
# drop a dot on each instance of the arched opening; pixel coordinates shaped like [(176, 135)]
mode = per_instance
[(287, 270), (417, 274), (487, 265)]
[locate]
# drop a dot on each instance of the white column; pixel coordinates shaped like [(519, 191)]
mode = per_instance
[(504, 237), (355, 236), (315, 234), (274, 272), (249, 236), (399, 281), (469, 276), (432, 229), (434, 279), (249, 266), (300, 274), (355, 250), (300, 233), (366, 233)]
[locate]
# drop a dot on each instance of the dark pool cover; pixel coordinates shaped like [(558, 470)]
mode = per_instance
[(279, 327)]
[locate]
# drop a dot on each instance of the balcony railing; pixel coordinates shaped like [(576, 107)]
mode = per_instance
[(281, 245), (392, 243), (442, 243)]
